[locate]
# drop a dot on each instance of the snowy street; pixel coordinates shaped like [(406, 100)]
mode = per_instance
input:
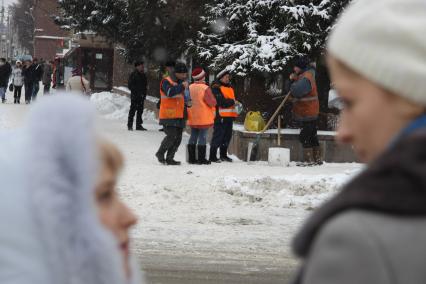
[(224, 223)]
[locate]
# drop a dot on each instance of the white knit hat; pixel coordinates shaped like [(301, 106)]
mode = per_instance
[(385, 41)]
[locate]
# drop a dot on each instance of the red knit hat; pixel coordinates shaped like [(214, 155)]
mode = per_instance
[(198, 73)]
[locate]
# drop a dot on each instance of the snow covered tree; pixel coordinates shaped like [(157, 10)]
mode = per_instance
[(157, 29), (263, 36), (105, 17), (23, 23)]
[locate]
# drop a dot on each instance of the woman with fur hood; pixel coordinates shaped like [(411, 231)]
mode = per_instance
[(63, 223)]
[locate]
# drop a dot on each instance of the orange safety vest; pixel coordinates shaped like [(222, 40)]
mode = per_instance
[(228, 93), (307, 108), (171, 107), (200, 114)]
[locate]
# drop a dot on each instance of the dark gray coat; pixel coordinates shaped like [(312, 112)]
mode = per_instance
[(374, 231)]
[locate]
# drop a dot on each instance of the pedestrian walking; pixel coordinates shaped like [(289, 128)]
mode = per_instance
[(65, 219), (173, 113), (138, 88), (77, 83), (225, 115), (47, 77), (170, 66), (17, 82), (5, 72), (38, 75), (373, 231), (306, 110), (28, 73), (200, 117)]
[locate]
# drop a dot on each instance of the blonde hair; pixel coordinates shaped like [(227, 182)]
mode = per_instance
[(110, 156)]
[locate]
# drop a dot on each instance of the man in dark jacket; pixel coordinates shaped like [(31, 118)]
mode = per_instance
[(173, 113), (306, 110), (5, 71), (28, 73), (225, 116), (138, 88), (37, 75)]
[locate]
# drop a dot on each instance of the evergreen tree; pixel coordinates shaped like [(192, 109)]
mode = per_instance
[(263, 36)]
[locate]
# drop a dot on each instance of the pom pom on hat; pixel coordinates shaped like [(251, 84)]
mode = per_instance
[(198, 73)]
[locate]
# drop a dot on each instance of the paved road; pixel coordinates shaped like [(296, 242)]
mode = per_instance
[(215, 266)]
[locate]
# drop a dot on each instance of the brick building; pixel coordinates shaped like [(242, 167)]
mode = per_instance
[(49, 39)]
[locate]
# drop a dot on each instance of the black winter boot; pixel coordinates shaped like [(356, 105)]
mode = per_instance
[(191, 154), (213, 155), (224, 155), (202, 155)]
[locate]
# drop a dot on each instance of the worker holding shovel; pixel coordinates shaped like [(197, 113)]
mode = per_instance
[(306, 110)]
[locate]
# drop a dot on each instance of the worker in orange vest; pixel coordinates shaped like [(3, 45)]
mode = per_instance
[(200, 117), (225, 115), (173, 113), (306, 110)]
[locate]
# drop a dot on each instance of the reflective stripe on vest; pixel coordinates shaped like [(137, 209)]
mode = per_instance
[(200, 114), (171, 107), (228, 93), (307, 108)]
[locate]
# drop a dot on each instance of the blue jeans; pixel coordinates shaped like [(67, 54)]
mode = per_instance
[(3, 93), (36, 88), (198, 135)]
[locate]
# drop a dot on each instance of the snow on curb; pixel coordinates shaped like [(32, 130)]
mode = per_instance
[(308, 191), (116, 107)]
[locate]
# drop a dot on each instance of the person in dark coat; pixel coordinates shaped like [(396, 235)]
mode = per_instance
[(28, 73), (225, 116), (138, 88), (5, 72), (173, 113), (373, 231), (37, 75)]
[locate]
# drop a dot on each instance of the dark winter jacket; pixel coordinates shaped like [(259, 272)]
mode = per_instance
[(29, 74), (5, 72), (301, 88), (137, 85), (172, 91), (374, 231), (38, 72), (221, 100)]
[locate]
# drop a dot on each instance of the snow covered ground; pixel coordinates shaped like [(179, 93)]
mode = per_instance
[(238, 215)]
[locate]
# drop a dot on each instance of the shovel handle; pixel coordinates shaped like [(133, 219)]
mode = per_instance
[(276, 113)]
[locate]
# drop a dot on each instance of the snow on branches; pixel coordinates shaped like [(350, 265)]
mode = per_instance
[(264, 35)]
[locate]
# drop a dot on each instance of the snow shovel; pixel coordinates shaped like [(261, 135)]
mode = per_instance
[(253, 150)]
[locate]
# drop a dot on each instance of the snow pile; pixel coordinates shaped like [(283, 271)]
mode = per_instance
[(296, 191), (116, 107)]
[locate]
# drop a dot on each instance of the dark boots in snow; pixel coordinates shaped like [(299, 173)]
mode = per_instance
[(191, 154), (308, 158), (317, 153), (213, 155), (202, 155), (224, 155)]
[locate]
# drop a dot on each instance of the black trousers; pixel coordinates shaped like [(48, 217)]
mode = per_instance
[(222, 135), (308, 135), (171, 142), (29, 88), (46, 89), (136, 107), (17, 92)]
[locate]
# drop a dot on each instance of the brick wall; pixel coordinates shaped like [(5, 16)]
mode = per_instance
[(45, 27)]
